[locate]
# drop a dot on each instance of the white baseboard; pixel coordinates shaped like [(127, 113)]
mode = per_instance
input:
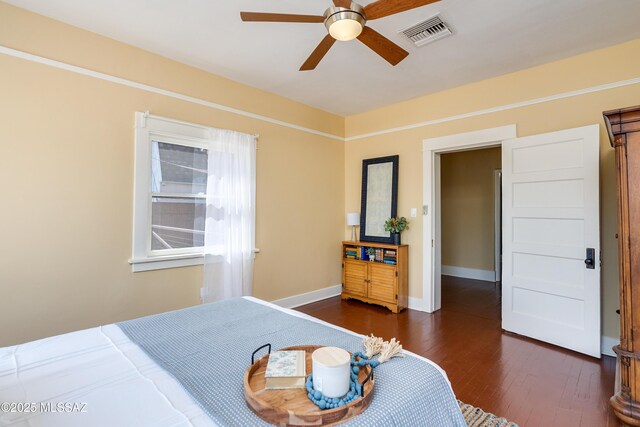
[(469, 273), (606, 345), (331, 291), (309, 297), (416, 304)]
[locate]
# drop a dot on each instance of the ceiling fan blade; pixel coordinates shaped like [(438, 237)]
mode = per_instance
[(342, 3), (278, 17), (381, 45), (318, 53), (382, 8)]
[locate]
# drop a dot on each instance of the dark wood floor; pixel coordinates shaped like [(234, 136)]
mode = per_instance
[(526, 381)]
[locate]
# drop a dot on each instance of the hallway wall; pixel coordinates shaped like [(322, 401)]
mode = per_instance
[(468, 229)]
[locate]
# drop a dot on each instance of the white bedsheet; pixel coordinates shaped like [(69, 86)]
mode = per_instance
[(107, 375), (99, 367)]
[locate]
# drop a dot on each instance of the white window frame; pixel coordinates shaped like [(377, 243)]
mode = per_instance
[(148, 129)]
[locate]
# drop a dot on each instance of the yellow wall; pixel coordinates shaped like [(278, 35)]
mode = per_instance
[(467, 206), (67, 170), (67, 174), (595, 68)]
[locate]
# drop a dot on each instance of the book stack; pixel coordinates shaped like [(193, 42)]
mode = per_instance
[(351, 253), (286, 369), (387, 256), (390, 257)]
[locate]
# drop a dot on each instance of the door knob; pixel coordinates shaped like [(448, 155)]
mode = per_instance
[(590, 260)]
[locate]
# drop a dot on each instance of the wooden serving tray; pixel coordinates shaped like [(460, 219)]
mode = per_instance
[(292, 407)]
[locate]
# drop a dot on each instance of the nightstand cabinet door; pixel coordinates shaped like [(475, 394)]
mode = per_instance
[(383, 282), (354, 277)]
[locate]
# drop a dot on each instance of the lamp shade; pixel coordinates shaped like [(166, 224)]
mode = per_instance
[(345, 29), (345, 24), (353, 218)]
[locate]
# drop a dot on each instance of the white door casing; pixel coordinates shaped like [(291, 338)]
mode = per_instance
[(550, 217), (431, 237), (497, 224)]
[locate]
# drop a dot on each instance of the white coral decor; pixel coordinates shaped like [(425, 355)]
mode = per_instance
[(390, 349), (386, 349), (372, 345)]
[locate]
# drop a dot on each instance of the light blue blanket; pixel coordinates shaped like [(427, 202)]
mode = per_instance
[(208, 348)]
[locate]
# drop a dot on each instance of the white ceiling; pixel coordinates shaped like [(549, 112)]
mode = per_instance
[(491, 37)]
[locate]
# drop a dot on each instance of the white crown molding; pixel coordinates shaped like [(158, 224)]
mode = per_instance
[(563, 95), (118, 80)]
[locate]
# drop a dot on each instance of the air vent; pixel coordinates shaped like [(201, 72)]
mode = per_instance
[(427, 31)]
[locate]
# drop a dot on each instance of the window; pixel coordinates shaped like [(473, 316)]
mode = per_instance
[(170, 193), (178, 196)]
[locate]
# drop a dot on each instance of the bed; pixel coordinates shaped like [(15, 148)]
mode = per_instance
[(184, 368)]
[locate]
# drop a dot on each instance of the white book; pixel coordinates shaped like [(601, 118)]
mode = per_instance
[(286, 369)]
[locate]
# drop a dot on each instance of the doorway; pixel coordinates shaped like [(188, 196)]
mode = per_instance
[(550, 193), (432, 241), (470, 220)]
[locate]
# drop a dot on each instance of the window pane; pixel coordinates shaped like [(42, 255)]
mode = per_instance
[(178, 169), (177, 222)]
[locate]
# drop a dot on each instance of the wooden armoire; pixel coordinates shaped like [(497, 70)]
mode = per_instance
[(624, 132)]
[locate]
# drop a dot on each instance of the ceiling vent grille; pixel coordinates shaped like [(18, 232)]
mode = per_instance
[(427, 31)]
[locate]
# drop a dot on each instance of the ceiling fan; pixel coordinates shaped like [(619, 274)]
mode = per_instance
[(346, 20)]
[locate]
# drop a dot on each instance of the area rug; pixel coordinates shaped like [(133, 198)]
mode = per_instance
[(476, 417)]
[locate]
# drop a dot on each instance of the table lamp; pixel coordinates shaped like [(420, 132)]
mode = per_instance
[(353, 219)]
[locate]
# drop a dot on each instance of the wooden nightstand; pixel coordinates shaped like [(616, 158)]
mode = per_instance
[(383, 281)]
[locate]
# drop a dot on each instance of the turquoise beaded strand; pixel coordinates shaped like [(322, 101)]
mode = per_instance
[(355, 389)]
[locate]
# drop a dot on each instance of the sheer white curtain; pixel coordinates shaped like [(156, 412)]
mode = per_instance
[(229, 236)]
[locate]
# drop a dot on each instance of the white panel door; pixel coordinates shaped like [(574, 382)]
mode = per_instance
[(550, 218)]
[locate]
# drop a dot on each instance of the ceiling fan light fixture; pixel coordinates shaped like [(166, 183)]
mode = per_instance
[(345, 24)]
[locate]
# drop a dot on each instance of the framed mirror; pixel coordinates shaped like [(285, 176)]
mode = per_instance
[(379, 197)]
